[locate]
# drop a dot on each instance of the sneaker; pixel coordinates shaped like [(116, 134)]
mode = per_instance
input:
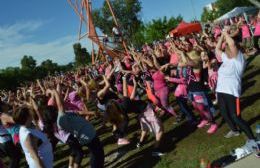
[(213, 128), (122, 141), (231, 134), (139, 145), (157, 153), (202, 124)]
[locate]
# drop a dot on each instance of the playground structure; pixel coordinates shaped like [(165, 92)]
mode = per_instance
[(83, 8)]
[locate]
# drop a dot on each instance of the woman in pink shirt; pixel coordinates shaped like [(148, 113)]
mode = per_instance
[(246, 36), (257, 32), (160, 87)]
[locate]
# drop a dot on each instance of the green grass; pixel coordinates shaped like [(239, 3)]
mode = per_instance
[(185, 145)]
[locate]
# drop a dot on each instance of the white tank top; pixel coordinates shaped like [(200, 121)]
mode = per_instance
[(44, 150)]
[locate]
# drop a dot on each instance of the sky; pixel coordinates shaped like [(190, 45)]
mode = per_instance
[(47, 29)]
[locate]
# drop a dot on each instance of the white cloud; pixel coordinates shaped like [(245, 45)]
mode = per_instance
[(14, 45), (16, 33)]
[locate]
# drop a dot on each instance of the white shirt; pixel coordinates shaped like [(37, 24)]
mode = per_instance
[(44, 150), (230, 75)]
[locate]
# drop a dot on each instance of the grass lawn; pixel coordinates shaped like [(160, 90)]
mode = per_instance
[(185, 145)]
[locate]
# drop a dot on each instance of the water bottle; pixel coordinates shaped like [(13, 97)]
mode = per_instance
[(258, 132)]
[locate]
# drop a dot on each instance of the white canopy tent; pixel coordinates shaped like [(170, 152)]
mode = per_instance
[(235, 12)]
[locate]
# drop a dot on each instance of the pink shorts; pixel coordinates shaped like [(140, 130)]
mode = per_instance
[(149, 121)]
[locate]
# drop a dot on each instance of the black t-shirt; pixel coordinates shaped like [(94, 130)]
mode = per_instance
[(132, 106), (163, 60), (193, 85), (108, 96)]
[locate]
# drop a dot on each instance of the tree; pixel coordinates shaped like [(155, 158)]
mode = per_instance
[(158, 29), (256, 3), (82, 56), (225, 6), (28, 62), (127, 13), (49, 66), (209, 15)]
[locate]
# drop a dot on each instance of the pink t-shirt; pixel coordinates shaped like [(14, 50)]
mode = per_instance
[(257, 29), (75, 100), (60, 134), (158, 79), (245, 31), (108, 70), (217, 32), (174, 59), (167, 44), (128, 65), (192, 41)]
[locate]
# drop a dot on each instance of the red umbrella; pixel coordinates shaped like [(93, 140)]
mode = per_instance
[(185, 28)]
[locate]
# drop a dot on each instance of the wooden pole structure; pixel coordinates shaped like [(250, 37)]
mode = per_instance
[(115, 20), (93, 54)]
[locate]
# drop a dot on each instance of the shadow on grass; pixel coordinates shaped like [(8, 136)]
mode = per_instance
[(178, 133), (141, 159), (249, 100), (247, 85), (251, 75), (254, 120), (145, 159), (250, 59)]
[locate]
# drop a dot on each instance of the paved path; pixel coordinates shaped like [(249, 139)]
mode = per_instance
[(248, 162)]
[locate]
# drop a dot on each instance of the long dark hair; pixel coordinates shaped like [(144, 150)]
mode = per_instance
[(49, 116)]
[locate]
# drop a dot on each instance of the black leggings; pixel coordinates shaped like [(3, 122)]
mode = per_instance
[(97, 153), (13, 152), (75, 149), (227, 105)]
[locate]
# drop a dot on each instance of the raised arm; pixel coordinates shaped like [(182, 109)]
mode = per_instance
[(41, 87), (231, 44), (58, 100), (155, 62), (219, 46), (31, 145), (134, 90), (86, 88), (36, 109), (103, 91), (124, 86)]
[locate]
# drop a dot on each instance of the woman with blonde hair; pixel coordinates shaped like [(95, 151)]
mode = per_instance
[(181, 89), (197, 91)]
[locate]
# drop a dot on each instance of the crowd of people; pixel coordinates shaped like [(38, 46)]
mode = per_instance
[(200, 70)]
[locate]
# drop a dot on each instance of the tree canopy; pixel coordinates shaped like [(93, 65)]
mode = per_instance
[(221, 7), (28, 62), (158, 29), (82, 56), (127, 13)]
